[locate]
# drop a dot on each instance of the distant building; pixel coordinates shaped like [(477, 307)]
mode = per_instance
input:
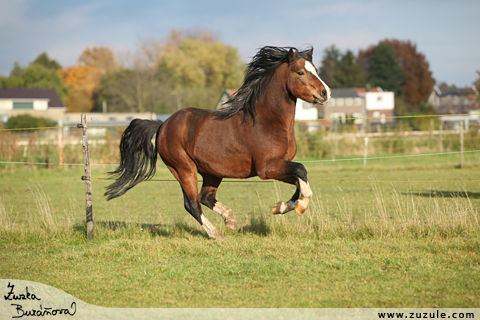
[(35, 102), (368, 106), (451, 100)]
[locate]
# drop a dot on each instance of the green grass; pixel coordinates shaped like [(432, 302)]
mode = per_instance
[(369, 243)]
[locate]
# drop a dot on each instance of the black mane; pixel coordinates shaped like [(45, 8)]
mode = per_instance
[(263, 64)]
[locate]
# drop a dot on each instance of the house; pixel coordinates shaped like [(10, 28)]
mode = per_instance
[(368, 106), (303, 111), (452, 100), (35, 102)]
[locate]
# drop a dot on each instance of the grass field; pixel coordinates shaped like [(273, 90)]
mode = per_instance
[(369, 239)]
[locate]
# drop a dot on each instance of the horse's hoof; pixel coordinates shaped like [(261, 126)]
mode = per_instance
[(232, 224), (299, 210), (279, 208), (218, 236)]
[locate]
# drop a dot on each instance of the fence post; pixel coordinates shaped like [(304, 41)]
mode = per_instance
[(87, 177), (60, 143), (461, 144), (332, 142), (365, 152)]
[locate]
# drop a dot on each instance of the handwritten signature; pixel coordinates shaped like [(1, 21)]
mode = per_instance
[(41, 312)]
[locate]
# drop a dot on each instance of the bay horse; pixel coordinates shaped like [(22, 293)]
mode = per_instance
[(251, 135)]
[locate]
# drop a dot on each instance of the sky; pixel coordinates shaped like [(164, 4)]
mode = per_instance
[(446, 32)]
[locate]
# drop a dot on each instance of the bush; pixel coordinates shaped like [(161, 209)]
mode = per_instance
[(28, 121)]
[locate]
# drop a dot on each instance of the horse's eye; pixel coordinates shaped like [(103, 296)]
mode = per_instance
[(301, 73)]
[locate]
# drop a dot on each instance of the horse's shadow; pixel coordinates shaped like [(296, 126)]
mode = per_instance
[(446, 194), (255, 225), (155, 229)]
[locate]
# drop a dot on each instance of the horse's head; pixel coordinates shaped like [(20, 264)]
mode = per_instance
[(303, 80)]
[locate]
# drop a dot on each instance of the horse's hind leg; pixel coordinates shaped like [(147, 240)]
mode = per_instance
[(188, 182), (207, 198)]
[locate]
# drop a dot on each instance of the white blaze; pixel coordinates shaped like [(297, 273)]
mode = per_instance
[(310, 68)]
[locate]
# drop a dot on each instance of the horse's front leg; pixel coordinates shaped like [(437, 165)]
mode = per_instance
[(292, 173)]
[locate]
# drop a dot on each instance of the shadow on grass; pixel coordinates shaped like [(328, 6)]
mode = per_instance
[(155, 229), (446, 194), (256, 225)]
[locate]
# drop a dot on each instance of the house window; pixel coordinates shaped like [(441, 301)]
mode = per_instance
[(332, 102), (339, 102), (338, 116), (358, 102), (112, 119), (23, 105), (349, 102), (379, 98), (357, 115)]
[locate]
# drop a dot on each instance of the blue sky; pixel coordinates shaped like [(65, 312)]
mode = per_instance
[(447, 32)]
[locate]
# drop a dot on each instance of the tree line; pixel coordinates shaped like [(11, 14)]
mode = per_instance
[(189, 68), (393, 65), (192, 68)]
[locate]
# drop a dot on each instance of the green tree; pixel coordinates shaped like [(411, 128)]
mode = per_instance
[(384, 70), (44, 60), (35, 76), (417, 81), (349, 72), (331, 58), (202, 70)]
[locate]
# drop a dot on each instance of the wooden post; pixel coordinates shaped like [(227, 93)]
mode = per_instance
[(440, 140), (87, 177), (461, 144), (365, 152), (332, 143), (60, 144)]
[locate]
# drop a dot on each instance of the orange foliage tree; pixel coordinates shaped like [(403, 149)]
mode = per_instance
[(84, 79)]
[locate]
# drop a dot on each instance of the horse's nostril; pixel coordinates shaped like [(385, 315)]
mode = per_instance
[(324, 93)]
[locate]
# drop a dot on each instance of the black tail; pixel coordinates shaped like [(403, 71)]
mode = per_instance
[(138, 157)]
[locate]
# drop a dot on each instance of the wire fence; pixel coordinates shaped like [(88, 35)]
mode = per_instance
[(365, 158)]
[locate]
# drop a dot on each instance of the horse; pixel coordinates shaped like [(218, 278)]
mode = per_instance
[(252, 134)]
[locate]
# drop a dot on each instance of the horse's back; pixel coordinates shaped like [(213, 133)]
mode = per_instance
[(217, 147)]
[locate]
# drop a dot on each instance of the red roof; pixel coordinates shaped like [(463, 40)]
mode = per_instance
[(32, 93), (363, 90)]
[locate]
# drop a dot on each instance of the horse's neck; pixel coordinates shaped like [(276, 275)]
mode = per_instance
[(276, 105)]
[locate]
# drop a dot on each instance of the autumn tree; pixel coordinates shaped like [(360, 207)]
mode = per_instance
[(101, 58), (83, 82), (84, 79)]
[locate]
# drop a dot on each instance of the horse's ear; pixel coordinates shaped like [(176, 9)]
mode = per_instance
[(292, 56), (310, 52)]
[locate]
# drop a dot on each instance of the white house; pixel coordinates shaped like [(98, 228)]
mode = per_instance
[(305, 111), (36, 102), (379, 106)]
